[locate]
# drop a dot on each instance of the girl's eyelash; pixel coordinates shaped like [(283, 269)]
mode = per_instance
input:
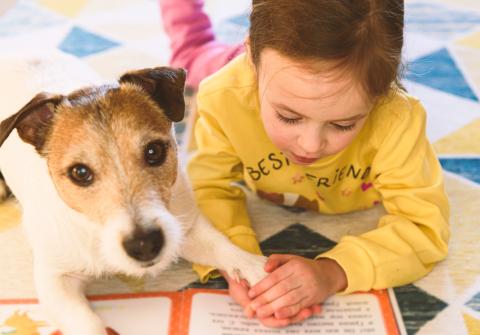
[(344, 128), (294, 121), (286, 119)]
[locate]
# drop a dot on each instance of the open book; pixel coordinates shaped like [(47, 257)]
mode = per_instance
[(206, 311)]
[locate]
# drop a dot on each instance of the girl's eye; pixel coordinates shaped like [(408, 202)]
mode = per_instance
[(286, 119), (344, 128)]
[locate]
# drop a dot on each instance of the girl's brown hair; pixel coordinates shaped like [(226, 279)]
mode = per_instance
[(364, 36)]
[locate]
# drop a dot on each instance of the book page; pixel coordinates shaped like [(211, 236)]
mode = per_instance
[(362, 313), (133, 314), (146, 316)]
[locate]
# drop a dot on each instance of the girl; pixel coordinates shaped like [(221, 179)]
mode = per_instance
[(313, 115)]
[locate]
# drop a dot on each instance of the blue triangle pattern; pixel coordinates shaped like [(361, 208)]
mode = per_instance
[(242, 20), (438, 70), (82, 43), (466, 167), (233, 30)]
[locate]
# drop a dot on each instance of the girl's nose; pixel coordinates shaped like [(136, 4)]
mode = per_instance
[(312, 143)]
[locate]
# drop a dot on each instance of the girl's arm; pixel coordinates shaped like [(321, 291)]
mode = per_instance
[(214, 169), (413, 236)]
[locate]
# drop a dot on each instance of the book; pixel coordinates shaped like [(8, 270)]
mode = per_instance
[(208, 311)]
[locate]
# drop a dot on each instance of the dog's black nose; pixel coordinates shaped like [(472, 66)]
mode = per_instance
[(144, 246)]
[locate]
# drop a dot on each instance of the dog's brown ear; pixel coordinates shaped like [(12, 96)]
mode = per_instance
[(32, 120), (165, 85)]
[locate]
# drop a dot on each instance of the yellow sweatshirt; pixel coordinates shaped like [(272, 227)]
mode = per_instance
[(390, 161)]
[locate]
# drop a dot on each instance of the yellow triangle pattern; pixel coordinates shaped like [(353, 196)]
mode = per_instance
[(472, 41), (10, 215), (68, 8), (463, 141), (472, 324), (463, 246)]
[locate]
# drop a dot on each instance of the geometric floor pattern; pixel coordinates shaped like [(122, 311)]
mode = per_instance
[(468, 167), (417, 307), (442, 58)]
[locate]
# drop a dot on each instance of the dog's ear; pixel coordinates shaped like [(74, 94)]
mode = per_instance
[(33, 120), (165, 85)]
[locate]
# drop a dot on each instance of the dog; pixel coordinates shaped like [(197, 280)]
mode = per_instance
[(95, 169)]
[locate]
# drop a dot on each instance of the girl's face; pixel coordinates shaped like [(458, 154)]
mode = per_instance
[(308, 115)]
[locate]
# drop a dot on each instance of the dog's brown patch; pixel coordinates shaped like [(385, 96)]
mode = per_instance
[(107, 130)]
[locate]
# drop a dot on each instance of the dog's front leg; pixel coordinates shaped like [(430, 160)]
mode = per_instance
[(206, 245), (62, 298)]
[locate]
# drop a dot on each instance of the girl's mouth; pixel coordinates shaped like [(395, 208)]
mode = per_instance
[(303, 160)]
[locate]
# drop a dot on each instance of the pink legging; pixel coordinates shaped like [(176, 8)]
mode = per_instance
[(192, 40)]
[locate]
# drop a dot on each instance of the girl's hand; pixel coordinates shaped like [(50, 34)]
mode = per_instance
[(239, 293), (295, 283)]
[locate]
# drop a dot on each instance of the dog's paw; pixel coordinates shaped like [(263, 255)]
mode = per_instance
[(249, 267)]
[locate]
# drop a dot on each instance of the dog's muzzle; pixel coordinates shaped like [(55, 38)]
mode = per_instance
[(144, 246)]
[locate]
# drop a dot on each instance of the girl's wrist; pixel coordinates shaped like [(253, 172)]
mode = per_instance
[(337, 276)]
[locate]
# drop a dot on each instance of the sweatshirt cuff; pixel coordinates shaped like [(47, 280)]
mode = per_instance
[(205, 273), (356, 263), (242, 236), (245, 238)]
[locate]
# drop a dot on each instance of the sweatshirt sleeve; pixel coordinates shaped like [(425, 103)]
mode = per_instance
[(412, 237), (214, 170)]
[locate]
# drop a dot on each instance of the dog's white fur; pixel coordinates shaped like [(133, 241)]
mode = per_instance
[(68, 248)]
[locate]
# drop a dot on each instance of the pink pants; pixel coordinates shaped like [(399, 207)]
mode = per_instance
[(192, 40)]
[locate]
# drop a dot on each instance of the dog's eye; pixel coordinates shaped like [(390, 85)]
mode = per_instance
[(155, 153), (81, 175)]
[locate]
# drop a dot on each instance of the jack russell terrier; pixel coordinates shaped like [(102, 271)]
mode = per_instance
[(96, 172)]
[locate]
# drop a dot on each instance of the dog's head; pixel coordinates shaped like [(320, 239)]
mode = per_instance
[(111, 154)]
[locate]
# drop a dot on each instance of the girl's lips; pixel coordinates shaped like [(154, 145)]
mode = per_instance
[(303, 160)]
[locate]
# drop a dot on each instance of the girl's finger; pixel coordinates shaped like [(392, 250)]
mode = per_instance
[(269, 281), (249, 312), (272, 322), (275, 261), (291, 298), (292, 311), (301, 316), (244, 284), (316, 309)]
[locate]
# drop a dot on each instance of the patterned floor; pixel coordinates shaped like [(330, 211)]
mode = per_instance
[(443, 57)]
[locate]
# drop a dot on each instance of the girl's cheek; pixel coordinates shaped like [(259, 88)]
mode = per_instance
[(341, 142), (280, 137)]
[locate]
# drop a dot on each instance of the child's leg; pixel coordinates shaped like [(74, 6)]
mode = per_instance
[(192, 40)]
